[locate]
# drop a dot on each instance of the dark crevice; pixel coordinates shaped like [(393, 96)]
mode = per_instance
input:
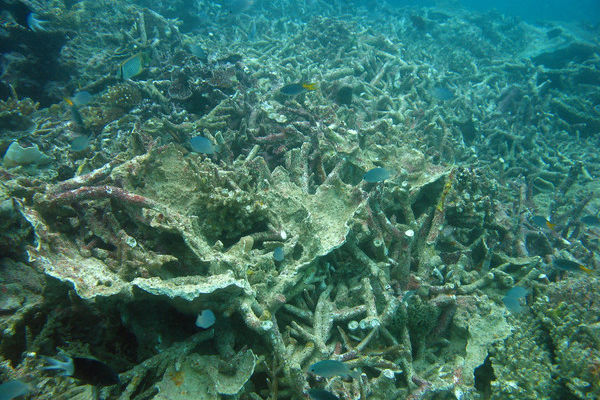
[(484, 375), (427, 197)]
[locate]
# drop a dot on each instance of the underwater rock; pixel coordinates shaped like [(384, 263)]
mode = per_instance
[(229, 381), (189, 294), (157, 364), (573, 333), (16, 114), (206, 377), (186, 382), (21, 296), (177, 201), (560, 57), (522, 364), (15, 231), (486, 326), (92, 278)]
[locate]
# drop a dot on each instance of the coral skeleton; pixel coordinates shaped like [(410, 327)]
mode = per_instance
[(482, 126)]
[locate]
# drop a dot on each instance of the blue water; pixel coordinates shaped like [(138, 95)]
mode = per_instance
[(536, 10), (530, 10)]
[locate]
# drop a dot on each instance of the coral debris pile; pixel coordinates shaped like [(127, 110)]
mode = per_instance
[(111, 249)]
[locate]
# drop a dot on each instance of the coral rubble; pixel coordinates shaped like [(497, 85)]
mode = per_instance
[(111, 251)]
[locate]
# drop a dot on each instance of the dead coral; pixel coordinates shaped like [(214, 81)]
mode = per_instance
[(15, 114)]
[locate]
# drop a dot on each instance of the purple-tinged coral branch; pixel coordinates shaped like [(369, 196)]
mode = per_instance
[(82, 180), (98, 192)]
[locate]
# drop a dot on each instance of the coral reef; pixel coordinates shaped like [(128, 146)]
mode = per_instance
[(111, 251)]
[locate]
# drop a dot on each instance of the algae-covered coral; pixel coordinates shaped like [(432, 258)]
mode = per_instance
[(282, 231)]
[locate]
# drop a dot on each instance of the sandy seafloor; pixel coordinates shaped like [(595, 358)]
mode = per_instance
[(116, 232)]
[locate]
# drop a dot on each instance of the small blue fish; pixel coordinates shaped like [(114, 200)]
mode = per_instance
[(199, 52), (13, 389), (321, 394), (517, 291), (278, 254), (200, 144), (205, 319), (442, 93), (512, 299), (294, 89), (331, 368), (376, 175), (81, 98), (80, 143), (512, 304)]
